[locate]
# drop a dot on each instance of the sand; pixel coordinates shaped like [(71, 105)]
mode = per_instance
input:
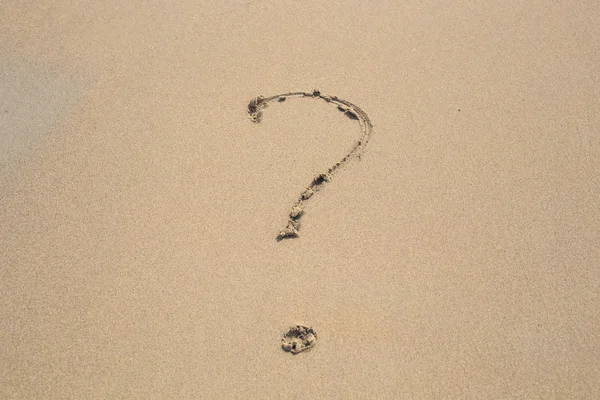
[(457, 257)]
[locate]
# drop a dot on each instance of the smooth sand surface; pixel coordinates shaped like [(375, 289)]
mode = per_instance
[(459, 258)]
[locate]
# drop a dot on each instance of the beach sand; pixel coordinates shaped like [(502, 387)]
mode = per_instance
[(457, 258)]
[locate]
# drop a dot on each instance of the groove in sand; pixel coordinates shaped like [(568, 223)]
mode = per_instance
[(352, 111)]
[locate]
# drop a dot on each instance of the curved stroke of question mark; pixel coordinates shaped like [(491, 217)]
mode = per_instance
[(352, 111)]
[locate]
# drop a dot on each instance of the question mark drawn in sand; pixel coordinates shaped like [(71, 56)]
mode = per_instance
[(352, 111)]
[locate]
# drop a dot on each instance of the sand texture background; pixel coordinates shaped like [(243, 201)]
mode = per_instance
[(458, 258)]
